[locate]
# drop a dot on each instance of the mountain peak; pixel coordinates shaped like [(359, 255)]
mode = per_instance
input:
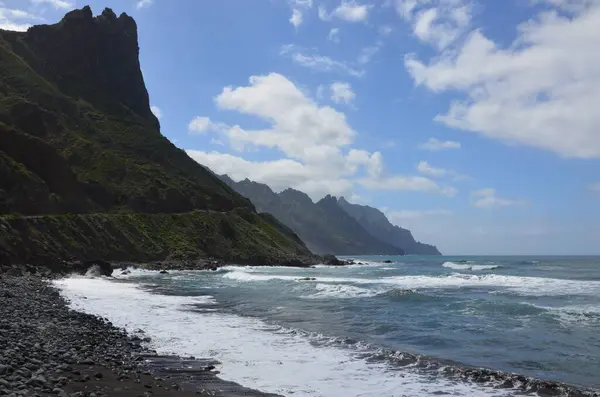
[(92, 58), (109, 14), (328, 199)]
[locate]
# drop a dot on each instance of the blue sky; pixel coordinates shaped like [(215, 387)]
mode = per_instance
[(474, 123)]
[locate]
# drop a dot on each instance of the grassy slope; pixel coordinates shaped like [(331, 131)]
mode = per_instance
[(83, 159), (239, 236)]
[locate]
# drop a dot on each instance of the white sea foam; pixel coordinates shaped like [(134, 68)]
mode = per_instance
[(585, 315), (250, 352), (341, 291), (469, 266), (534, 286)]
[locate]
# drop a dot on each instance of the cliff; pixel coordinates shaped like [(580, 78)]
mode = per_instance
[(376, 223), (82, 156)]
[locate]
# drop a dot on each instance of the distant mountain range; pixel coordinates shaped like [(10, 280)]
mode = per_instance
[(332, 225)]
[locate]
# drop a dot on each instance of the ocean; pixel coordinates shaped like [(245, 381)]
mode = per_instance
[(404, 328)]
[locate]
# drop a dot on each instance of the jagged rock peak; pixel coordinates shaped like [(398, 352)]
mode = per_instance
[(296, 195), (329, 199), (94, 58), (85, 15)]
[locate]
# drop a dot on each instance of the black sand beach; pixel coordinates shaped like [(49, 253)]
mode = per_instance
[(48, 349)]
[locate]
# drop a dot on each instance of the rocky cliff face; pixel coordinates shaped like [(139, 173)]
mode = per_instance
[(376, 223), (76, 126), (324, 226), (77, 136), (95, 59)]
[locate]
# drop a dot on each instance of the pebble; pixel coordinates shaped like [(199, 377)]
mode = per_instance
[(41, 339)]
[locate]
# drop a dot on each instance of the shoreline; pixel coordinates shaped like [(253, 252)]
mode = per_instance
[(134, 368), (47, 348)]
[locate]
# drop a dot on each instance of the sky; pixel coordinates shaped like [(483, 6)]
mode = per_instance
[(474, 123)]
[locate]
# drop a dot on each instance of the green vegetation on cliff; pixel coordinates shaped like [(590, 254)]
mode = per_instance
[(78, 141), (240, 236)]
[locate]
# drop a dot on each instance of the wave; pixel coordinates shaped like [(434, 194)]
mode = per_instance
[(286, 361), (574, 315), (254, 353), (520, 285), (342, 291), (469, 266)]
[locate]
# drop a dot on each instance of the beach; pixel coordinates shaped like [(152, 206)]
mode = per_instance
[(46, 348)]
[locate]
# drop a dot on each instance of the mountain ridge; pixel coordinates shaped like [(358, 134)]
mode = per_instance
[(376, 223), (321, 225)]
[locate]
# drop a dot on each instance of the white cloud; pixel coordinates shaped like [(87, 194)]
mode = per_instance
[(540, 91), (200, 125), (295, 118), (385, 30), (440, 22), (323, 15), (487, 198), (278, 174), (334, 35), (55, 3), (157, 112), (296, 18), (143, 4), (367, 53), (405, 7), (16, 19), (314, 140), (318, 62), (358, 199), (425, 168), (342, 92), (434, 144), (408, 183), (352, 11), (302, 3), (567, 5), (14, 26)]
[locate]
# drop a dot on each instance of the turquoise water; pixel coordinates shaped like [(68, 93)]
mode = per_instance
[(536, 316)]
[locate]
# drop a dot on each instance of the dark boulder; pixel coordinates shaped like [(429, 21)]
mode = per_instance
[(164, 272), (331, 260)]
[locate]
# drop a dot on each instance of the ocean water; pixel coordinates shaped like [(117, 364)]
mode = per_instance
[(352, 330)]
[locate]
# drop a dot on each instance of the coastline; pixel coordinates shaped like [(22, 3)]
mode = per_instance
[(50, 349), (128, 367)]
